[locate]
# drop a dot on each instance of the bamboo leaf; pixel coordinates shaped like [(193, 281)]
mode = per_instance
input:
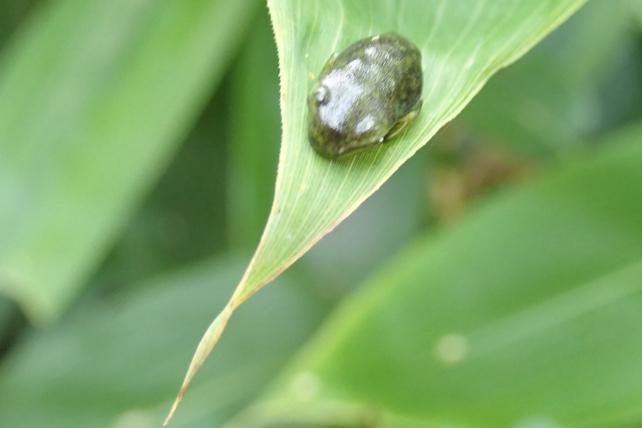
[(636, 7), (463, 43), (94, 96), (560, 105), (527, 313), (118, 355), (253, 149)]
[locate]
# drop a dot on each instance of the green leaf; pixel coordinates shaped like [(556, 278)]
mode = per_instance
[(463, 44), (252, 170), (94, 96), (179, 220), (113, 362), (8, 314), (254, 135), (11, 15), (529, 310), (636, 8), (550, 101), (360, 244)]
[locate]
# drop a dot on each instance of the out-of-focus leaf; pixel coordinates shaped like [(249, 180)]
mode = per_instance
[(549, 101), (180, 219), (11, 15), (93, 98), (254, 136), (636, 7), (463, 43), (529, 311), (7, 324), (114, 363)]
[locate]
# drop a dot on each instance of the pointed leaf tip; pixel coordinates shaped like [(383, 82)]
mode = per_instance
[(204, 348), (313, 195)]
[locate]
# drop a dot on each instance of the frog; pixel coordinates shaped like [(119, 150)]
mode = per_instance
[(365, 95)]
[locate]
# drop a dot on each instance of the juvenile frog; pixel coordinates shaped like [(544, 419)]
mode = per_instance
[(365, 95)]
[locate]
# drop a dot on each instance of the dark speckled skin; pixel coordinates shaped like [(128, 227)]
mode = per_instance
[(365, 95)]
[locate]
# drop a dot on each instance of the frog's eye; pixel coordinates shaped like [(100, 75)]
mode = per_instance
[(322, 95)]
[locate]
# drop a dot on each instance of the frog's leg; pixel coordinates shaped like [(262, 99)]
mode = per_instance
[(403, 123), (329, 64)]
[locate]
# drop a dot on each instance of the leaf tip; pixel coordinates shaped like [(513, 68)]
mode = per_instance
[(177, 401), (204, 348)]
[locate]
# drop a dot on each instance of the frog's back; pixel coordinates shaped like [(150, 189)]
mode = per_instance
[(363, 93), (391, 68)]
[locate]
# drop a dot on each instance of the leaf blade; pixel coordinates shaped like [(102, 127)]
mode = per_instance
[(312, 194), (296, 159), (141, 335), (93, 99), (528, 308)]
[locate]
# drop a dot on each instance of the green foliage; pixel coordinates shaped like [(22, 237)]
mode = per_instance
[(253, 143), (493, 280), (560, 105), (82, 135), (533, 332), (313, 194), (147, 334)]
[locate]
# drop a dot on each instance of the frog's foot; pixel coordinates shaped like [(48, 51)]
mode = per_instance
[(403, 123)]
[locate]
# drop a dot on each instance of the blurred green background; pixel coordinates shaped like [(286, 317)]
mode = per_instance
[(528, 200)]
